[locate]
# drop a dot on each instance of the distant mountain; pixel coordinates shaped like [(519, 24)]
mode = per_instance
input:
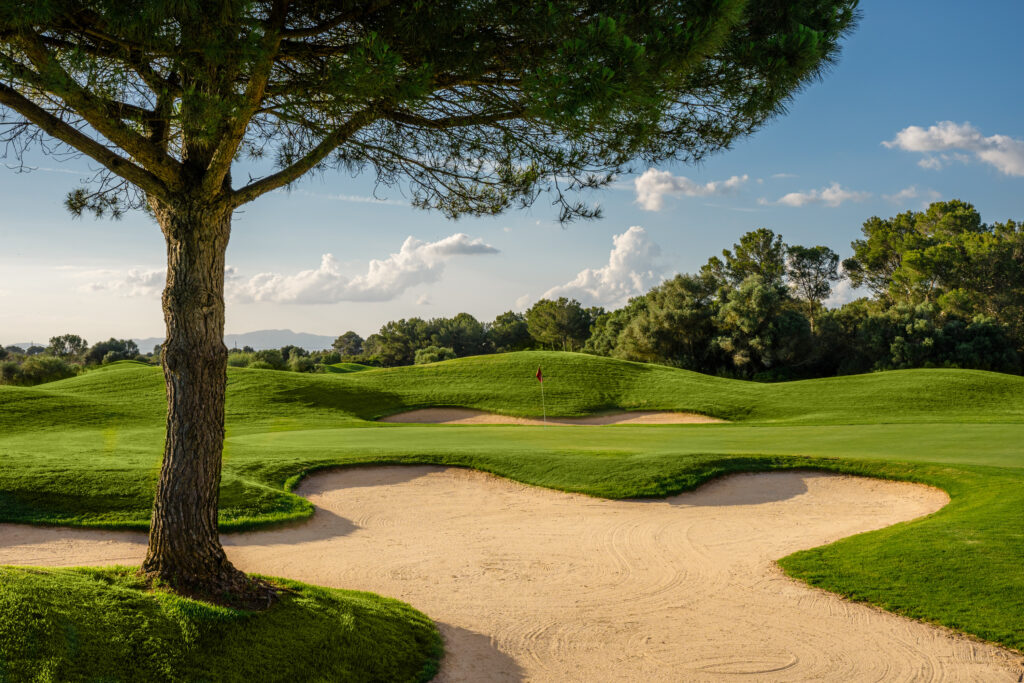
[(260, 339)]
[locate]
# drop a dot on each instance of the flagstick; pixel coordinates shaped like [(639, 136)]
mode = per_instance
[(543, 407)]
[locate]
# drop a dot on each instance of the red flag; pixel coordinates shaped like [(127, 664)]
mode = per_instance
[(540, 377)]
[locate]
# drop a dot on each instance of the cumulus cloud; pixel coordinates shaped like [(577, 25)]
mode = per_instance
[(833, 196), (416, 263), (631, 271), (947, 142), (843, 292), (652, 186), (907, 194), (134, 282)]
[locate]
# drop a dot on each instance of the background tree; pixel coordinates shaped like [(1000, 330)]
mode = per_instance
[(291, 350), (562, 324), (811, 272), (348, 344), (759, 252), (398, 340), (67, 345), (464, 334), (675, 326), (508, 332), (479, 105), (605, 331), (110, 351), (757, 330)]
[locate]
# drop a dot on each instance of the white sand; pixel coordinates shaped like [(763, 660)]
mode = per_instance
[(465, 416), (532, 584)]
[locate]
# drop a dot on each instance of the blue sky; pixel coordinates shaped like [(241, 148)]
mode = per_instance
[(910, 64)]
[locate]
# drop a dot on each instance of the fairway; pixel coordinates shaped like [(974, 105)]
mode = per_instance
[(85, 452)]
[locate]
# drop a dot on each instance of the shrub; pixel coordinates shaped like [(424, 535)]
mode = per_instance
[(10, 372), (272, 357), (260, 365), (35, 370), (301, 363), (433, 354), (240, 359), (113, 357)]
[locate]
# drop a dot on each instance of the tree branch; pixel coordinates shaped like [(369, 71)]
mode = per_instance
[(224, 154), (335, 22), (97, 113), (306, 163), (53, 126), (447, 122)]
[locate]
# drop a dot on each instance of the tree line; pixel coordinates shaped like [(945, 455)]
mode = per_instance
[(943, 289), (65, 356)]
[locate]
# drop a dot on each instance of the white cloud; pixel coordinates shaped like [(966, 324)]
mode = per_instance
[(926, 196), (143, 282), (843, 292), (362, 199), (951, 139), (424, 300), (631, 271), (416, 263), (523, 301), (134, 282), (779, 176), (652, 186), (833, 196)]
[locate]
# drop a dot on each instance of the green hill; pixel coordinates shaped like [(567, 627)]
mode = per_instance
[(131, 394)]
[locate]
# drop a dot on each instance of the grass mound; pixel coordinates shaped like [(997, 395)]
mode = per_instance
[(101, 625), (342, 368)]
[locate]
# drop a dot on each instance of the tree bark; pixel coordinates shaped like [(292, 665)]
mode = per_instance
[(185, 552)]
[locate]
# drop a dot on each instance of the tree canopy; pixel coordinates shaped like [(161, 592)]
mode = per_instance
[(478, 105)]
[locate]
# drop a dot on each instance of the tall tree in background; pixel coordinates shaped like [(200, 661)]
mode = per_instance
[(479, 105), (348, 344), (561, 324), (811, 272), (67, 345), (759, 252)]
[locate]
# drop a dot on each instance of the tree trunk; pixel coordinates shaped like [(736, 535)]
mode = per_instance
[(184, 545)]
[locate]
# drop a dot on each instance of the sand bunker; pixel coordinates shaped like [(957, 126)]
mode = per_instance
[(465, 416), (532, 584)]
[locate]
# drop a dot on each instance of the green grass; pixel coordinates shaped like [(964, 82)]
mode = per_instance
[(343, 368), (85, 451), (103, 625)]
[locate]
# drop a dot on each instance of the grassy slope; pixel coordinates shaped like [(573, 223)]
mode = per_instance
[(86, 451), (342, 368), (102, 625)]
